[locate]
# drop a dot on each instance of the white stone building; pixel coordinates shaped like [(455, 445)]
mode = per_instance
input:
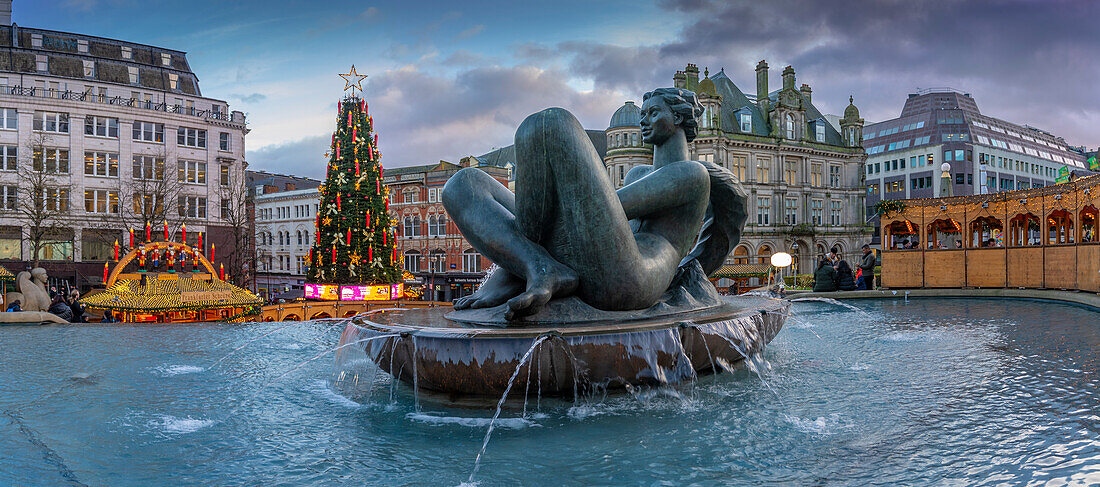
[(285, 229)]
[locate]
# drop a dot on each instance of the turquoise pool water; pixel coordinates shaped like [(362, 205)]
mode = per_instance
[(926, 392)]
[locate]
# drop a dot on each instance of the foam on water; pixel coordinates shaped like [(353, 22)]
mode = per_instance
[(321, 388), (910, 336), (171, 370), (176, 425), (822, 425), (436, 419)]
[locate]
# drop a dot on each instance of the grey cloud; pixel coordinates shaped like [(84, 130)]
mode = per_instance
[(472, 31), (252, 98), (303, 157)]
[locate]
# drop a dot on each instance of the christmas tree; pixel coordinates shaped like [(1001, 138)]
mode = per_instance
[(354, 241)]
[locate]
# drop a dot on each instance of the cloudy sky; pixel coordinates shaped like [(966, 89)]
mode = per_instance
[(450, 79)]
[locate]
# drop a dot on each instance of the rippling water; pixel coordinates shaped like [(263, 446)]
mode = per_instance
[(925, 392)]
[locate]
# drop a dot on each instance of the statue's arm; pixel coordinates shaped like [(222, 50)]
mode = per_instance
[(654, 191)]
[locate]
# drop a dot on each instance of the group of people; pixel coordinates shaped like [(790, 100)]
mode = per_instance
[(67, 307), (833, 273)]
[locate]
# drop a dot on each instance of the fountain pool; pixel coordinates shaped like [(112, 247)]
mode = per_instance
[(924, 392)]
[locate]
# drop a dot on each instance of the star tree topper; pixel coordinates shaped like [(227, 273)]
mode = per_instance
[(352, 80)]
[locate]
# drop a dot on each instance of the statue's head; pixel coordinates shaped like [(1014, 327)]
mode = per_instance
[(39, 274), (666, 110)]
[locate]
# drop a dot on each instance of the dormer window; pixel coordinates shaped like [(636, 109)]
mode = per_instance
[(790, 126), (165, 59), (819, 131), (746, 122), (127, 52)]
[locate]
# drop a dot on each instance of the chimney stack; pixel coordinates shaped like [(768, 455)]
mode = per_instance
[(679, 80), (788, 78), (762, 86), (692, 73), (805, 89)]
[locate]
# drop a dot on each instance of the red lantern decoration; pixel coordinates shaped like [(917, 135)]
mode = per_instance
[(104, 273), (131, 237), (184, 233), (116, 250)]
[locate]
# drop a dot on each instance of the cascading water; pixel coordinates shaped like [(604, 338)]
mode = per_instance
[(830, 301), (485, 443)]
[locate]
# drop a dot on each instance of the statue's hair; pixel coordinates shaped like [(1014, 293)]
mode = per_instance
[(684, 103)]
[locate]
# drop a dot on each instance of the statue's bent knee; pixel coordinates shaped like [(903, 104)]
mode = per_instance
[(460, 187)]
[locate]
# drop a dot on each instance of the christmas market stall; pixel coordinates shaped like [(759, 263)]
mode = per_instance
[(741, 276), (169, 283)]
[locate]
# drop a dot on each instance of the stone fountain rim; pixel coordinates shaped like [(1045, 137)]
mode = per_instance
[(729, 310)]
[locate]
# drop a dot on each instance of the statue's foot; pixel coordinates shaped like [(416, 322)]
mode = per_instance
[(556, 280), (502, 286)]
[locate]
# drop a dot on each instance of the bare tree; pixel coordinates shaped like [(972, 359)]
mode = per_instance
[(43, 202), (149, 197), (236, 209)]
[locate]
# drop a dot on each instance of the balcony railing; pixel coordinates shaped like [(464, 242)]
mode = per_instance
[(83, 96)]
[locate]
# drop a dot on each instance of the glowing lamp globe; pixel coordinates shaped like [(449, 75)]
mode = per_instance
[(945, 167), (781, 259)]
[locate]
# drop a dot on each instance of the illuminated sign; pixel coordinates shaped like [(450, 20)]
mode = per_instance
[(322, 291), (1094, 163), (370, 293)]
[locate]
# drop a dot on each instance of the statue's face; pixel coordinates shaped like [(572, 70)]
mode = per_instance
[(658, 121)]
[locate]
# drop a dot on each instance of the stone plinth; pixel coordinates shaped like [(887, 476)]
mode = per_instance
[(612, 351)]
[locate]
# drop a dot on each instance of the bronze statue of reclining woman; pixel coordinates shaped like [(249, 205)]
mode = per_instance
[(567, 231)]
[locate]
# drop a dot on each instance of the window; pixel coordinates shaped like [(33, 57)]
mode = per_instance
[(8, 195), (872, 189), (51, 122), (53, 199), (817, 174), (127, 52), (223, 175), (834, 176), (412, 226), (763, 169), (437, 226), (89, 69), (82, 45), (41, 63), (764, 254), (790, 211), (223, 141), (412, 260), (173, 81), (101, 164), (746, 122), (191, 172), (819, 131), (148, 204), (9, 155), (959, 155), (227, 212), (189, 137), (834, 213), (790, 126), (133, 72), (101, 126), (36, 41), (191, 206), (9, 119), (1060, 227), (790, 172), (437, 261), (165, 59), (101, 201), (148, 167), (433, 195), (411, 196), (738, 167), (148, 131), (52, 161), (763, 211), (816, 211), (471, 261)]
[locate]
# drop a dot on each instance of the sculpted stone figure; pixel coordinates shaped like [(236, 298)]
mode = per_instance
[(32, 293), (567, 232)]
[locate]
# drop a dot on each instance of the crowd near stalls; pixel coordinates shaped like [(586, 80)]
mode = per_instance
[(1038, 238)]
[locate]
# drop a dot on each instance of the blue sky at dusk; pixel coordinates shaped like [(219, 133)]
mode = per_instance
[(450, 79)]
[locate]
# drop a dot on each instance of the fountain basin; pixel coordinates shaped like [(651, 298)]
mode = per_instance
[(438, 354)]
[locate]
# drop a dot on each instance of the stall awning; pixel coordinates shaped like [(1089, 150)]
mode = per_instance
[(157, 295), (741, 271), (6, 275)]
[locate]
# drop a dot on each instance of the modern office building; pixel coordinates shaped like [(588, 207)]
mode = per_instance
[(801, 169), (104, 135), (985, 154)]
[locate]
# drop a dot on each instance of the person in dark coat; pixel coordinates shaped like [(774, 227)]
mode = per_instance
[(867, 265), (76, 306), (824, 277), (15, 306), (845, 280), (60, 309)]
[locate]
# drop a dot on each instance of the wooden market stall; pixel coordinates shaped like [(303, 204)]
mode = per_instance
[(1036, 238), (172, 282), (742, 276)]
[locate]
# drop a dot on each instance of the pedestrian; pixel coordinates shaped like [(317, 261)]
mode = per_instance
[(867, 265), (844, 279), (15, 307), (60, 309), (824, 276), (834, 255), (76, 306)]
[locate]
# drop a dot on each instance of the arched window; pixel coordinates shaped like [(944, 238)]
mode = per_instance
[(741, 255), (412, 260), (1023, 229), (408, 227), (1089, 217), (902, 234), (987, 232), (944, 234), (764, 254), (471, 261), (1060, 227), (416, 226), (306, 233), (431, 226), (790, 126), (299, 235), (618, 140), (280, 238)]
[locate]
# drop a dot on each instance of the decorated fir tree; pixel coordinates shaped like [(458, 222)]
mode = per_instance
[(354, 241)]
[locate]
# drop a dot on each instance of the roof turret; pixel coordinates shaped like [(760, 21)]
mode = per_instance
[(627, 115)]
